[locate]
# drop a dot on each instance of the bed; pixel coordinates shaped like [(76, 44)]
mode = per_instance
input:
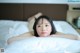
[(12, 28), (15, 23)]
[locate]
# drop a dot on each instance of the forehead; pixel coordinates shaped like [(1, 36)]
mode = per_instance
[(43, 20)]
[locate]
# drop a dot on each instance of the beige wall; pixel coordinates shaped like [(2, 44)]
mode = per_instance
[(71, 14)]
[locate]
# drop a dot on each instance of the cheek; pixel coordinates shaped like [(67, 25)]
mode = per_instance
[(49, 30), (38, 30)]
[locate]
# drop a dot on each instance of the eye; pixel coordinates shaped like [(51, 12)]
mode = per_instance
[(46, 25), (39, 26)]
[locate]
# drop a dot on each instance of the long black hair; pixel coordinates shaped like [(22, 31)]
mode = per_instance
[(36, 22)]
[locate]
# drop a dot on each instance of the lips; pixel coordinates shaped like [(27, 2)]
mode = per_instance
[(43, 32)]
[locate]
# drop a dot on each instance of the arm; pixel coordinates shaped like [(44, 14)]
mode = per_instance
[(69, 36), (22, 36)]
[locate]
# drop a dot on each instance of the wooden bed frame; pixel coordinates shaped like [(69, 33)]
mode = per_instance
[(22, 11)]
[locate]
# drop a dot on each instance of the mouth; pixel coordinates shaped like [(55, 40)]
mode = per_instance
[(43, 32)]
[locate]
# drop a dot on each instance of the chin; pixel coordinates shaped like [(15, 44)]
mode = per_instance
[(44, 35)]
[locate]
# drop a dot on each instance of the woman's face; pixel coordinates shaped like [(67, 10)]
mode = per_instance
[(43, 28)]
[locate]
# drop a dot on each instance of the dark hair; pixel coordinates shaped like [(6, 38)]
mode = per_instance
[(36, 22)]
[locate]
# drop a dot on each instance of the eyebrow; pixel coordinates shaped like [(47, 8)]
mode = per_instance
[(41, 23)]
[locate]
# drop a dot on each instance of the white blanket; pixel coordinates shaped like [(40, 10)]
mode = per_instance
[(44, 45)]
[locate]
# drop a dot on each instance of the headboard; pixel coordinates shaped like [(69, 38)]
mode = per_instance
[(22, 11)]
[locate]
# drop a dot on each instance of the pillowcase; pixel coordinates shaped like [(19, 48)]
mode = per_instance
[(17, 29), (44, 45), (6, 23), (11, 28), (4, 32), (57, 26), (2, 41), (64, 27)]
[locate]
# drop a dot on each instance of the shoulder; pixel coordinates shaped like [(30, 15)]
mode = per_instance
[(19, 37), (59, 33), (70, 36)]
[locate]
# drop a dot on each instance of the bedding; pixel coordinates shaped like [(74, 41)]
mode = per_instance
[(12, 28), (64, 27), (44, 45)]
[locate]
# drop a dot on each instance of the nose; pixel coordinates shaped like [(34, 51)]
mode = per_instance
[(43, 28)]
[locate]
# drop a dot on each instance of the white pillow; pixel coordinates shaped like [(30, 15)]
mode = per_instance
[(57, 26), (5, 26), (19, 29), (2, 41), (44, 45), (9, 28), (3, 33), (64, 27), (6, 23)]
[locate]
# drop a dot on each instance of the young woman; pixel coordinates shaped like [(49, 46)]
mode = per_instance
[(43, 27)]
